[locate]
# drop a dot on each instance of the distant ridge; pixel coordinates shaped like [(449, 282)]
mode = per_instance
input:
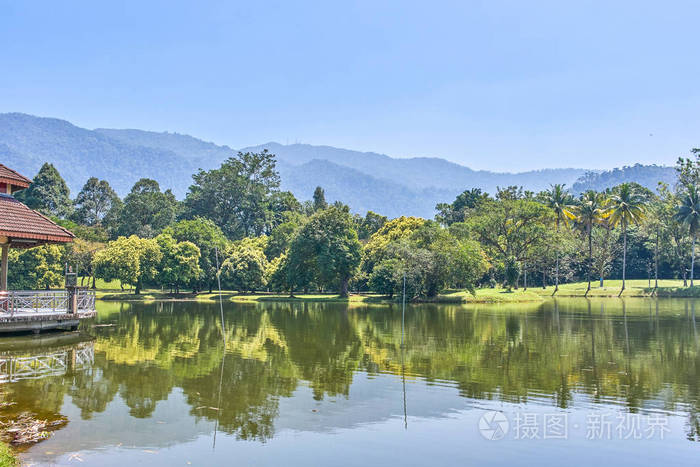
[(646, 175), (364, 180)]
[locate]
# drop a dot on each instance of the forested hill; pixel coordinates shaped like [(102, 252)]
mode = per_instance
[(364, 180), (646, 175), (26, 142)]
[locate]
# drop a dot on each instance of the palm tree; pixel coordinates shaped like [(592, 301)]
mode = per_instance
[(625, 206), (689, 214), (587, 214), (560, 201)]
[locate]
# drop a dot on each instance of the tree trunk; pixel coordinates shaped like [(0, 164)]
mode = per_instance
[(624, 255), (692, 263), (524, 276), (590, 259), (656, 261), (138, 288), (544, 278), (556, 273), (344, 287)]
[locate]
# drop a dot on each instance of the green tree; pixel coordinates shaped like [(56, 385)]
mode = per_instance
[(605, 248), (367, 226), (511, 272), (48, 193), (94, 201), (689, 215), (147, 210), (386, 277), (454, 262), (625, 206), (459, 209), (246, 268), (280, 238), (588, 213), (131, 260), (375, 249), (327, 244), (277, 275), (512, 225), (319, 199), (179, 264), (236, 196), (209, 238), (35, 268), (282, 206), (80, 254), (674, 243), (688, 169), (560, 202)]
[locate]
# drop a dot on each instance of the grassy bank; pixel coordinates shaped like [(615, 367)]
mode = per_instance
[(7, 457), (611, 288)]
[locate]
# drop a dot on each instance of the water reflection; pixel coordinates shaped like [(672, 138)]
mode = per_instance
[(33, 358), (321, 367)]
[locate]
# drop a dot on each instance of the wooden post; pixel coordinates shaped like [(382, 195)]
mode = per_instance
[(4, 253)]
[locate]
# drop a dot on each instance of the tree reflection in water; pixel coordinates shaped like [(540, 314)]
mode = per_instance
[(541, 353)]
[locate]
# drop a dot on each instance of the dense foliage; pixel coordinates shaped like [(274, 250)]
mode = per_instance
[(235, 224)]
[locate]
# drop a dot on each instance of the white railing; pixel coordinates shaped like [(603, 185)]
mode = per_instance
[(44, 301), (57, 363)]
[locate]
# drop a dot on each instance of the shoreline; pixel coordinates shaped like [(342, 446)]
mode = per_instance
[(634, 289)]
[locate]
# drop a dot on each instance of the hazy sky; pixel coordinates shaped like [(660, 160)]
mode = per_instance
[(497, 85)]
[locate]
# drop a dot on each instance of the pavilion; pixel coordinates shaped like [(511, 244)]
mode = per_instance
[(22, 227)]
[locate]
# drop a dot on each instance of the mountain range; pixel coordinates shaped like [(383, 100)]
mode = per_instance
[(363, 180)]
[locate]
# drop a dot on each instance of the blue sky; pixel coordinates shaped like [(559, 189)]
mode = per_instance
[(493, 85)]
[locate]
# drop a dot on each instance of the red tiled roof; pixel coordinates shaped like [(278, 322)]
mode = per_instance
[(7, 175), (17, 221)]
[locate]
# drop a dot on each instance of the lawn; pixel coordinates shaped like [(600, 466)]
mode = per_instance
[(611, 288)]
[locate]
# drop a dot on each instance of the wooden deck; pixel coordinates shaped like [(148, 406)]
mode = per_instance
[(44, 310)]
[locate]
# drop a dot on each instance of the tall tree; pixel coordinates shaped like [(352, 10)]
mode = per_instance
[(560, 201), (511, 226), (147, 210), (131, 260), (210, 240), (688, 169), (94, 201), (689, 214), (368, 225), (588, 213), (246, 267), (235, 196), (457, 211), (675, 244), (48, 193), (179, 264), (328, 245), (319, 199), (624, 207)]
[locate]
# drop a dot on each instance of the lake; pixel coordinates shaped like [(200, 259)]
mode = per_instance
[(565, 381)]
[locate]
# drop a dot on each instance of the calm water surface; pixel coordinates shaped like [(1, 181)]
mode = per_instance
[(571, 381)]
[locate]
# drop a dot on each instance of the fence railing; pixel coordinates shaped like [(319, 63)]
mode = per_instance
[(16, 368), (44, 301)]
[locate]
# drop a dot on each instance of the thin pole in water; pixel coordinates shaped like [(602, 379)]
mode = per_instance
[(403, 367), (223, 357), (403, 308), (221, 302)]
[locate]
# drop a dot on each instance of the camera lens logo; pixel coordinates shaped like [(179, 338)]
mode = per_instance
[(493, 425)]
